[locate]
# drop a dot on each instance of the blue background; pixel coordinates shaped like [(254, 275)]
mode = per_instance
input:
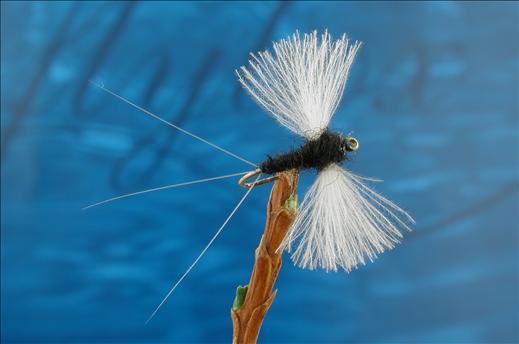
[(432, 97)]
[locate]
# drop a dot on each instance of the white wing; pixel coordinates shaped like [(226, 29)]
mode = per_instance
[(302, 84), (341, 222)]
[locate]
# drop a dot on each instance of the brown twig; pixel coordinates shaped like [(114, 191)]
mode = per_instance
[(253, 301)]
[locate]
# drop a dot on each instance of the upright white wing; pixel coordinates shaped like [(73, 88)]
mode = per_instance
[(341, 222), (301, 85)]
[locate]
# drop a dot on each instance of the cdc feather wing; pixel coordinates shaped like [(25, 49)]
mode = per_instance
[(342, 222), (301, 85)]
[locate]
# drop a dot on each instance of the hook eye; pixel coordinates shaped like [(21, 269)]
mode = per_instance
[(352, 144)]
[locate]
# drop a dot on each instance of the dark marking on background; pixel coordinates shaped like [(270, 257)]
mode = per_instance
[(261, 43), (21, 107), (158, 77), (150, 141), (417, 83), (101, 53), (476, 208), (83, 29)]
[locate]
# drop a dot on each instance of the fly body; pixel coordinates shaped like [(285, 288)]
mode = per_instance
[(317, 154)]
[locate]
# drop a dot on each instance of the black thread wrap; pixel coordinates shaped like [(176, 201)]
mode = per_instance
[(319, 153)]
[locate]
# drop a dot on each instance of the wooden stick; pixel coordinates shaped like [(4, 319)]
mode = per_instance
[(253, 301)]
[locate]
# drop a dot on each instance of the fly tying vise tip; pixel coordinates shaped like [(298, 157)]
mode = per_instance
[(244, 180)]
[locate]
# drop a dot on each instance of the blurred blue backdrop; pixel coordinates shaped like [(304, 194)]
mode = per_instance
[(432, 96)]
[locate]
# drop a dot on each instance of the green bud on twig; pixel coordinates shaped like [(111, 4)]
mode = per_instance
[(241, 292), (291, 203)]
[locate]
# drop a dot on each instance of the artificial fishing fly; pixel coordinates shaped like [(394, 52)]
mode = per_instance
[(341, 221)]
